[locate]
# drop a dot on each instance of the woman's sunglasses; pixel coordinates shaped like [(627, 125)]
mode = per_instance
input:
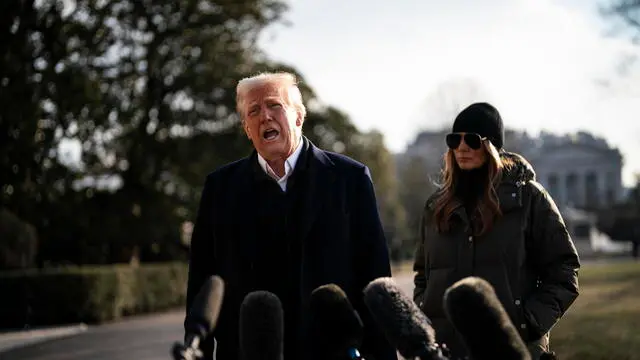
[(473, 140)]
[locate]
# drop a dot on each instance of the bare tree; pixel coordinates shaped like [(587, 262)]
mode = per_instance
[(624, 16), (448, 98)]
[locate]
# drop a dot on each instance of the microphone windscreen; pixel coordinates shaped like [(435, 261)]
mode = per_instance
[(203, 314), (473, 308), (334, 325), (403, 323), (261, 327)]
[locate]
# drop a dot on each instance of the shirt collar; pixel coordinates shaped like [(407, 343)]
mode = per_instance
[(289, 164)]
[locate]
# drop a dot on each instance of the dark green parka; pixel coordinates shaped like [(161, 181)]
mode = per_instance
[(528, 257)]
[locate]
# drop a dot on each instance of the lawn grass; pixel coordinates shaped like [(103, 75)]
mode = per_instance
[(604, 322)]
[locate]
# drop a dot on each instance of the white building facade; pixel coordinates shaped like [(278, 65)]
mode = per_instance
[(579, 175), (578, 170)]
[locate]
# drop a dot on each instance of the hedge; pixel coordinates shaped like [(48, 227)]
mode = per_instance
[(93, 294)]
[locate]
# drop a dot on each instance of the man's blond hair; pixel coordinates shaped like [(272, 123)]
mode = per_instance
[(287, 82)]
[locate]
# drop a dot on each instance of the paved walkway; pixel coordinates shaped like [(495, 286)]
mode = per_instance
[(141, 337), (27, 337)]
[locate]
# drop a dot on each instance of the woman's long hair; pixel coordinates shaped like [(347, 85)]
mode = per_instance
[(487, 209)]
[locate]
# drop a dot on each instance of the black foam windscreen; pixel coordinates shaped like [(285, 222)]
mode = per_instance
[(403, 323), (473, 307), (548, 356), (261, 327), (203, 314), (334, 325)]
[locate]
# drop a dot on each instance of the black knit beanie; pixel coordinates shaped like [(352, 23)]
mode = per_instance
[(483, 119)]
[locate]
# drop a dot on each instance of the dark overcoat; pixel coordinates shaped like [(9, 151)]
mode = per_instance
[(324, 229)]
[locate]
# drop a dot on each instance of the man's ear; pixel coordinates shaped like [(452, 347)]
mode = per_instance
[(299, 119), (246, 129)]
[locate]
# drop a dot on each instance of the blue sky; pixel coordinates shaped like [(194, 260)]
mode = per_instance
[(540, 62)]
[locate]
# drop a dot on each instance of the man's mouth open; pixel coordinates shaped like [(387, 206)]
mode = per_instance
[(270, 134)]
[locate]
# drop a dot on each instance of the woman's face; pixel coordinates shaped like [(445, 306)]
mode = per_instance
[(468, 149)]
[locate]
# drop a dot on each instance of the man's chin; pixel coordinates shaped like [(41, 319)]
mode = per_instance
[(272, 145), (271, 149)]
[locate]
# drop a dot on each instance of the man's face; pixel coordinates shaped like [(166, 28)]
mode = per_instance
[(271, 123)]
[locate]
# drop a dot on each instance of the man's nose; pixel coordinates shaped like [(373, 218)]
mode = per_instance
[(266, 114)]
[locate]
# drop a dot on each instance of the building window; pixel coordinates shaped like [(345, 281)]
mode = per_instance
[(611, 188), (581, 231), (552, 184), (572, 190), (611, 199), (591, 190)]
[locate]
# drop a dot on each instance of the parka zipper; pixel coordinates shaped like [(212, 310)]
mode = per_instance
[(473, 254)]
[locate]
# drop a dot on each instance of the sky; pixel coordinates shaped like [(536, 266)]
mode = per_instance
[(545, 64)]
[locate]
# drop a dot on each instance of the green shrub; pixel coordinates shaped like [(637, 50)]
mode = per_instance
[(89, 294)]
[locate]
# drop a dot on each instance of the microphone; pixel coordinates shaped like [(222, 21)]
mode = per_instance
[(472, 305), (403, 323), (335, 327), (261, 327), (201, 319), (551, 355)]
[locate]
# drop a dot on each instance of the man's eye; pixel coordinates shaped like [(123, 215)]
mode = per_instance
[(275, 105)]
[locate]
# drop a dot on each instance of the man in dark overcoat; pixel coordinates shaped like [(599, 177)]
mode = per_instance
[(288, 218)]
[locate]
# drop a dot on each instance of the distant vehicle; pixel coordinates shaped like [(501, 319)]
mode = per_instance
[(593, 235)]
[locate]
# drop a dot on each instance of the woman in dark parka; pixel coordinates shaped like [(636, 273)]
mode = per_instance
[(491, 219)]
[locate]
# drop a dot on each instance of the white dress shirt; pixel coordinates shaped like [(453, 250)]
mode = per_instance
[(289, 165)]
